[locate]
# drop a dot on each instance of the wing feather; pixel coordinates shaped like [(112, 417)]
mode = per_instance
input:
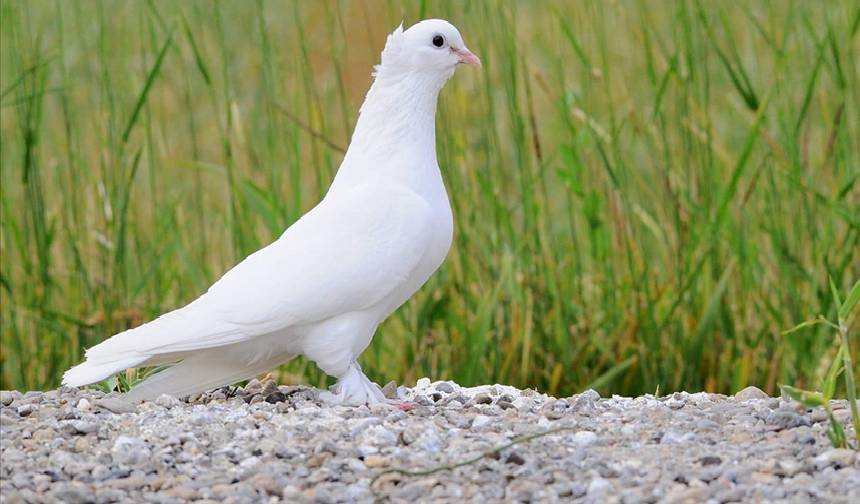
[(345, 255)]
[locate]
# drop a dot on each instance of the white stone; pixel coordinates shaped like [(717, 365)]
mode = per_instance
[(584, 438), (480, 421), (598, 486)]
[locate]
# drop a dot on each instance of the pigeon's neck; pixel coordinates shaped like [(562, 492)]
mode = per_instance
[(395, 135), (400, 113)]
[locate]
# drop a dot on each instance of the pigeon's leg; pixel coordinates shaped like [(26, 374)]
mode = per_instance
[(334, 346), (353, 387)]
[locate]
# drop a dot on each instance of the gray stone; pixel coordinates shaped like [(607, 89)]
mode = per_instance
[(84, 427), (253, 387), (710, 460), (33, 396), (6, 397), (110, 495), (706, 424), (276, 397), (44, 434), (583, 401), (788, 468), (269, 386), (480, 421), (129, 451), (523, 404), (483, 398), (72, 493), (116, 405), (515, 458), (423, 400), (786, 419), (390, 390), (183, 493), (445, 387), (555, 409), (460, 398), (167, 401), (26, 409), (676, 401), (201, 417), (430, 441), (839, 457), (599, 487), (458, 420)]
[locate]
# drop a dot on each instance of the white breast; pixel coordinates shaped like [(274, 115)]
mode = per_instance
[(443, 231)]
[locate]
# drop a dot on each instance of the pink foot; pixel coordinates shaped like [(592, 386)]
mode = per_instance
[(403, 405)]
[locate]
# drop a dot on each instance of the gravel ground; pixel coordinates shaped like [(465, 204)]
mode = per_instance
[(269, 443)]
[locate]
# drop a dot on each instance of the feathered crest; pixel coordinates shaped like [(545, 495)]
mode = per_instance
[(392, 50)]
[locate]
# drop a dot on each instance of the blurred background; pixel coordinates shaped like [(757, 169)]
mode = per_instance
[(646, 194)]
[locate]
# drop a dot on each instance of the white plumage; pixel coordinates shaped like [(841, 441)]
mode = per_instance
[(324, 286)]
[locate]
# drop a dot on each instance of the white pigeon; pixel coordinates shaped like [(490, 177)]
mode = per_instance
[(323, 287)]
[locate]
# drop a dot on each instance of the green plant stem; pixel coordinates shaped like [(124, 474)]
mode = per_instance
[(850, 390)]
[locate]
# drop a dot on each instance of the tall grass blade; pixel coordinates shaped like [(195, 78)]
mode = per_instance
[(150, 79)]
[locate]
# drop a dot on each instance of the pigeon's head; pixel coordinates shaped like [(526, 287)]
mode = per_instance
[(432, 46)]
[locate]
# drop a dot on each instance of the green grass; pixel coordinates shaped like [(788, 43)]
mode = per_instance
[(646, 194), (843, 364)]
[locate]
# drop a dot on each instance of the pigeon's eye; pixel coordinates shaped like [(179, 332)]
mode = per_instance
[(438, 40)]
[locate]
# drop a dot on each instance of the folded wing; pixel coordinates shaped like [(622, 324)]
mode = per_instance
[(347, 254)]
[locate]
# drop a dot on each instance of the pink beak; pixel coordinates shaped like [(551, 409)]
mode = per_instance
[(466, 57)]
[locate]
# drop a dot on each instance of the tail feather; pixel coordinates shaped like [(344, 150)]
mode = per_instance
[(164, 340), (186, 329), (91, 372), (201, 372)]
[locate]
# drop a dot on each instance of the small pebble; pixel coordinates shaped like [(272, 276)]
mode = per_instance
[(515, 458), (167, 401), (116, 405), (584, 438), (706, 424), (25, 409), (751, 392), (840, 457), (269, 386), (445, 387), (482, 398), (253, 387), (390, 390), (6, 397), (554, 410), (276, 397), (129, 451), (84, 427)]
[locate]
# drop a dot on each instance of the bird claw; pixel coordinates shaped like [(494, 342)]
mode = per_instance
[(354, 388)]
